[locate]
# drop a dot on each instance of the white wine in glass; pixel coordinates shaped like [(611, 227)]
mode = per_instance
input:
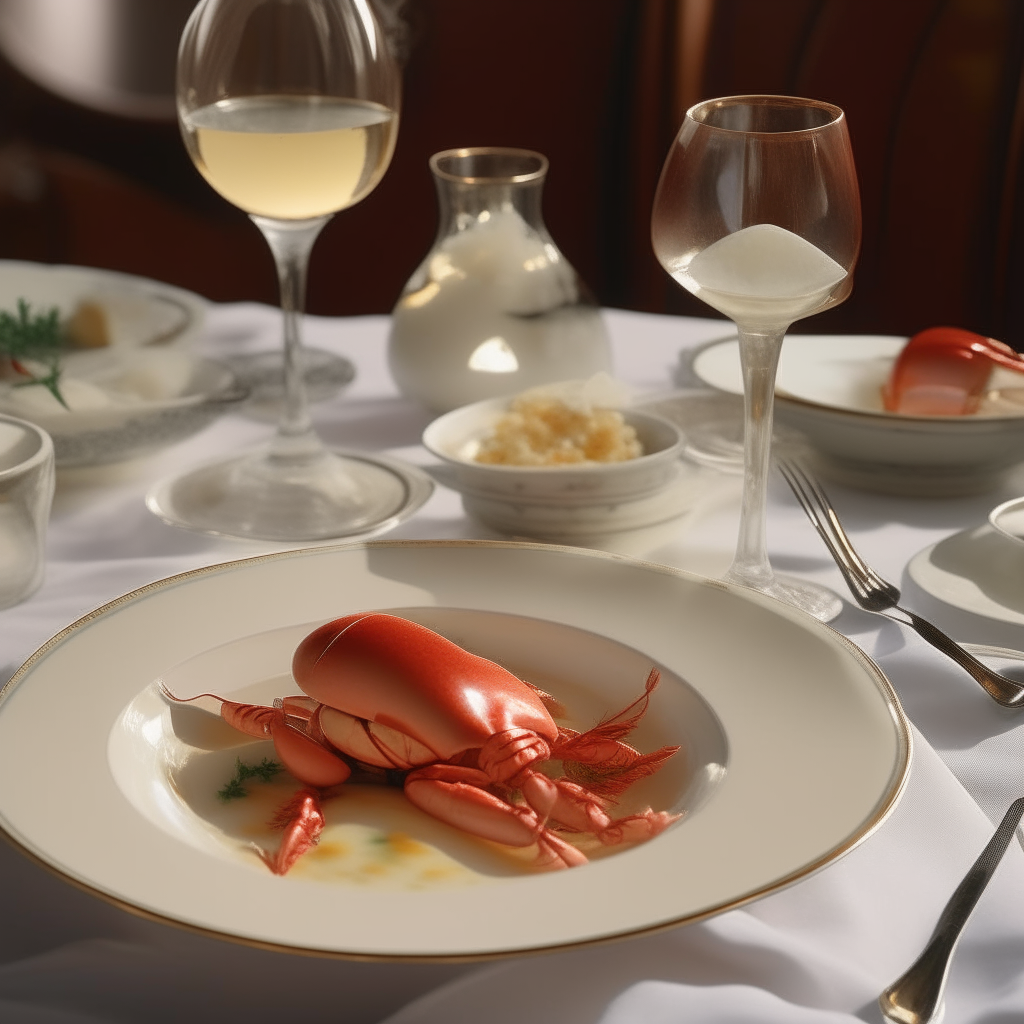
[(289, 109), (291, 157), (757, 213)]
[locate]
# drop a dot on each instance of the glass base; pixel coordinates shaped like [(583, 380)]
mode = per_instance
[(812, 598), (321, 496), (718, 444), (324, 375)]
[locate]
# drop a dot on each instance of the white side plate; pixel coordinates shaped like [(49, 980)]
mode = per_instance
[(977, 570)]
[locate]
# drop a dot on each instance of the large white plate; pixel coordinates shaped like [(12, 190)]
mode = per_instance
[(795, 747)]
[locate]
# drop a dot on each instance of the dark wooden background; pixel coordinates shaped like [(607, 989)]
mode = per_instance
[(932, 90)]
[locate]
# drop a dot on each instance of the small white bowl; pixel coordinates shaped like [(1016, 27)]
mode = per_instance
[(829, 388), (545, 501), (455, 438)]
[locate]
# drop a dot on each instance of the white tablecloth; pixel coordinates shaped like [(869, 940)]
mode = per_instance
[(818, 952)]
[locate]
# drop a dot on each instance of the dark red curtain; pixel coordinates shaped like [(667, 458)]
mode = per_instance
[(932, 90)]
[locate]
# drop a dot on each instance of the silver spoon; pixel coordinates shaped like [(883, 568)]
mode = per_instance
[(916, 997)]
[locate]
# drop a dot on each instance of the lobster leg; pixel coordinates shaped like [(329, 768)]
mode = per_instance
[(577, 808), (306, 759), (460, 797), (302, 818), (600, 760), (302, 821)]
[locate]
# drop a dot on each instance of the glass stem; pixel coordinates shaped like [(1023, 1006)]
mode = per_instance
[(759, 357), (291, 242)]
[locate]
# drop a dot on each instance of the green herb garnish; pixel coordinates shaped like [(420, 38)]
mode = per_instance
[(38, 338), (265, 771)]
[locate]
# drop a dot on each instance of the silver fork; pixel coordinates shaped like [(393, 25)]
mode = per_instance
[(875, 594), (916, 996)]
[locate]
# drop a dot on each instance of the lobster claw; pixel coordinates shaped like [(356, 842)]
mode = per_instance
[(944, 371)]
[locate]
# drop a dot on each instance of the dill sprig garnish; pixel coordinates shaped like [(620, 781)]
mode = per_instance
[(265, 771), (38, 338)]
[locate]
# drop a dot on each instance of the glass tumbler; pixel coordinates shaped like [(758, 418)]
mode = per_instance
[(26, 493)]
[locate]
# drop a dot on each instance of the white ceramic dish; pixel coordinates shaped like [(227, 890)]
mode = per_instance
[(205, 389), (561, 501), (584, 523), (795, 745), (158, 392), (325, 375), (712, 424), (140, 312), (828, 387), (455, 438), (26, 495), (978, 571)]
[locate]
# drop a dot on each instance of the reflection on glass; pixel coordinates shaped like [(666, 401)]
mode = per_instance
[(494, 356)]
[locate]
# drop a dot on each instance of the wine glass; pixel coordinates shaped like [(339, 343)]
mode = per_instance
[(289, 109), (757, 213)]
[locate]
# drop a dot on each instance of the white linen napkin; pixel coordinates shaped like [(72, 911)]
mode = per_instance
[(819, 952)]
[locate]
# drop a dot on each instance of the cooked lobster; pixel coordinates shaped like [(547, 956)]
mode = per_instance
[(388, 699), (944, 371)]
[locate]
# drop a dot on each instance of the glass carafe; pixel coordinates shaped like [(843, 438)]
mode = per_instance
[(494, 307)]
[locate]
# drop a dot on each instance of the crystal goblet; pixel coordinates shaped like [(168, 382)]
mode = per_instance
[(757, 213)]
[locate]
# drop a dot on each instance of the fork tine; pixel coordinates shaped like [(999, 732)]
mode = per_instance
[(797, 484), (871, 578), (875, 594), (865, 584), (826, 513), (870, 589), (817, 505), (824, 524), (814, 506)]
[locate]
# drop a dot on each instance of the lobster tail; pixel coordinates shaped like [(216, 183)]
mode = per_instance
[(611, 779), (601, 741), (599, 760), (625, 721)]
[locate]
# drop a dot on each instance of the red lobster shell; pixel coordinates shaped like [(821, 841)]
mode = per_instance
[(464, 736), (944, 371)]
